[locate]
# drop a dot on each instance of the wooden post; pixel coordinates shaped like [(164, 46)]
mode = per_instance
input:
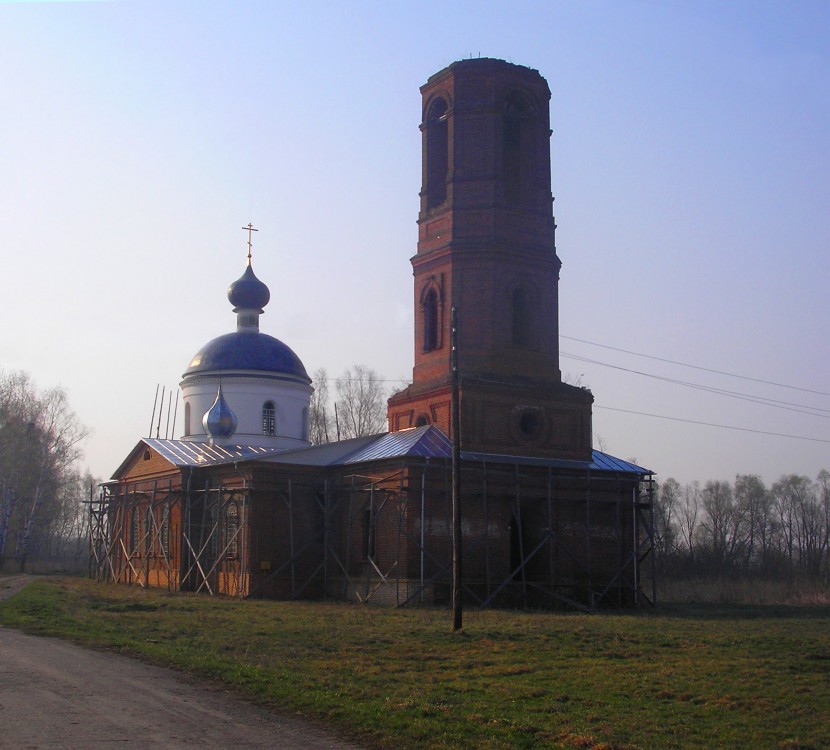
[(456, 478)]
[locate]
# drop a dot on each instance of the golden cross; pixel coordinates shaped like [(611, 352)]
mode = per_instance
[(249, 229)]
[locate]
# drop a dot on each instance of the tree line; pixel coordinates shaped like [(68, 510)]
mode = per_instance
[(745, 528), (42, 488)]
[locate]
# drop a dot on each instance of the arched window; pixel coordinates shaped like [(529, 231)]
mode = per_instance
[(520, 316), (305, 423), (231, 530), (515, 142), (430, 306), (438, 159), (187, 418), (422, 421), (269, 419)]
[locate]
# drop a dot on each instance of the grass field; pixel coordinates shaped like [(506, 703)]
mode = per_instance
[(682, 677)]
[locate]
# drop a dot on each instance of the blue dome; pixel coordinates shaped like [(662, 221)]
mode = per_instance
[(248, 350), (248, 292)]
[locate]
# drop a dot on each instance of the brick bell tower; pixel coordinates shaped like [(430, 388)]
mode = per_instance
[(486, 246)]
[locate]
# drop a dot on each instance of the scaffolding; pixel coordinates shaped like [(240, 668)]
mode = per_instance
[(182, 540), (531, 539), (534, 536)]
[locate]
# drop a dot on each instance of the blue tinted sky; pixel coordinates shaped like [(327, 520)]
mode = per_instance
[(690, 168)]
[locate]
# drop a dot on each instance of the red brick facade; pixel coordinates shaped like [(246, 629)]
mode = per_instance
[(486, 246), (378, 531)]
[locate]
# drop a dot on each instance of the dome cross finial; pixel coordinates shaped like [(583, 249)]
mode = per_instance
[(249, 229)]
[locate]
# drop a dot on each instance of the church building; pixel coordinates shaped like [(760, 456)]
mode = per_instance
[(242, 504)]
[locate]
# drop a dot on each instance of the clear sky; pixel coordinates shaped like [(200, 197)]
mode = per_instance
[(691, 169)]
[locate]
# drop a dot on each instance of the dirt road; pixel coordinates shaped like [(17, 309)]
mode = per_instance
[(54, 694)]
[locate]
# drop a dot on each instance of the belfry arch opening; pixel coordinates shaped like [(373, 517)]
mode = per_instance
[(437, 153), (515, 147), (430, 310)]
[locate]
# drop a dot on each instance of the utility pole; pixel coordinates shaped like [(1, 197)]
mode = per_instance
[(456, 476)]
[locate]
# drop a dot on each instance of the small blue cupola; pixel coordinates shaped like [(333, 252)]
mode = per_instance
[(219, 421)]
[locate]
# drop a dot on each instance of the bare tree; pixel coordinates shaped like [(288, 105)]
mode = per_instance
[(724, 527), (361, 402), (823, 496), (755, 506), (57, 444), (320, 410), (687, 513), (40, 440), (667, 500), (789, 494)]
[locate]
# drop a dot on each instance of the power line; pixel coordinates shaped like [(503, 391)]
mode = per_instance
[(696, 367), (762, 400), (712, 424), (789, 406), (812, 411)]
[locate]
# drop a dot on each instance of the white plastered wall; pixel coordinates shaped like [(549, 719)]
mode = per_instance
[(246, 394)]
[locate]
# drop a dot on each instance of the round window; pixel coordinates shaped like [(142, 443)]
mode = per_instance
[(529, 423)]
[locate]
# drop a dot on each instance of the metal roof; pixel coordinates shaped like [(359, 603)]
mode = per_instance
[(600, 462), (425, 442), (327, 454), (606, 462), (248, 351), (431, 442), (190, 453)]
